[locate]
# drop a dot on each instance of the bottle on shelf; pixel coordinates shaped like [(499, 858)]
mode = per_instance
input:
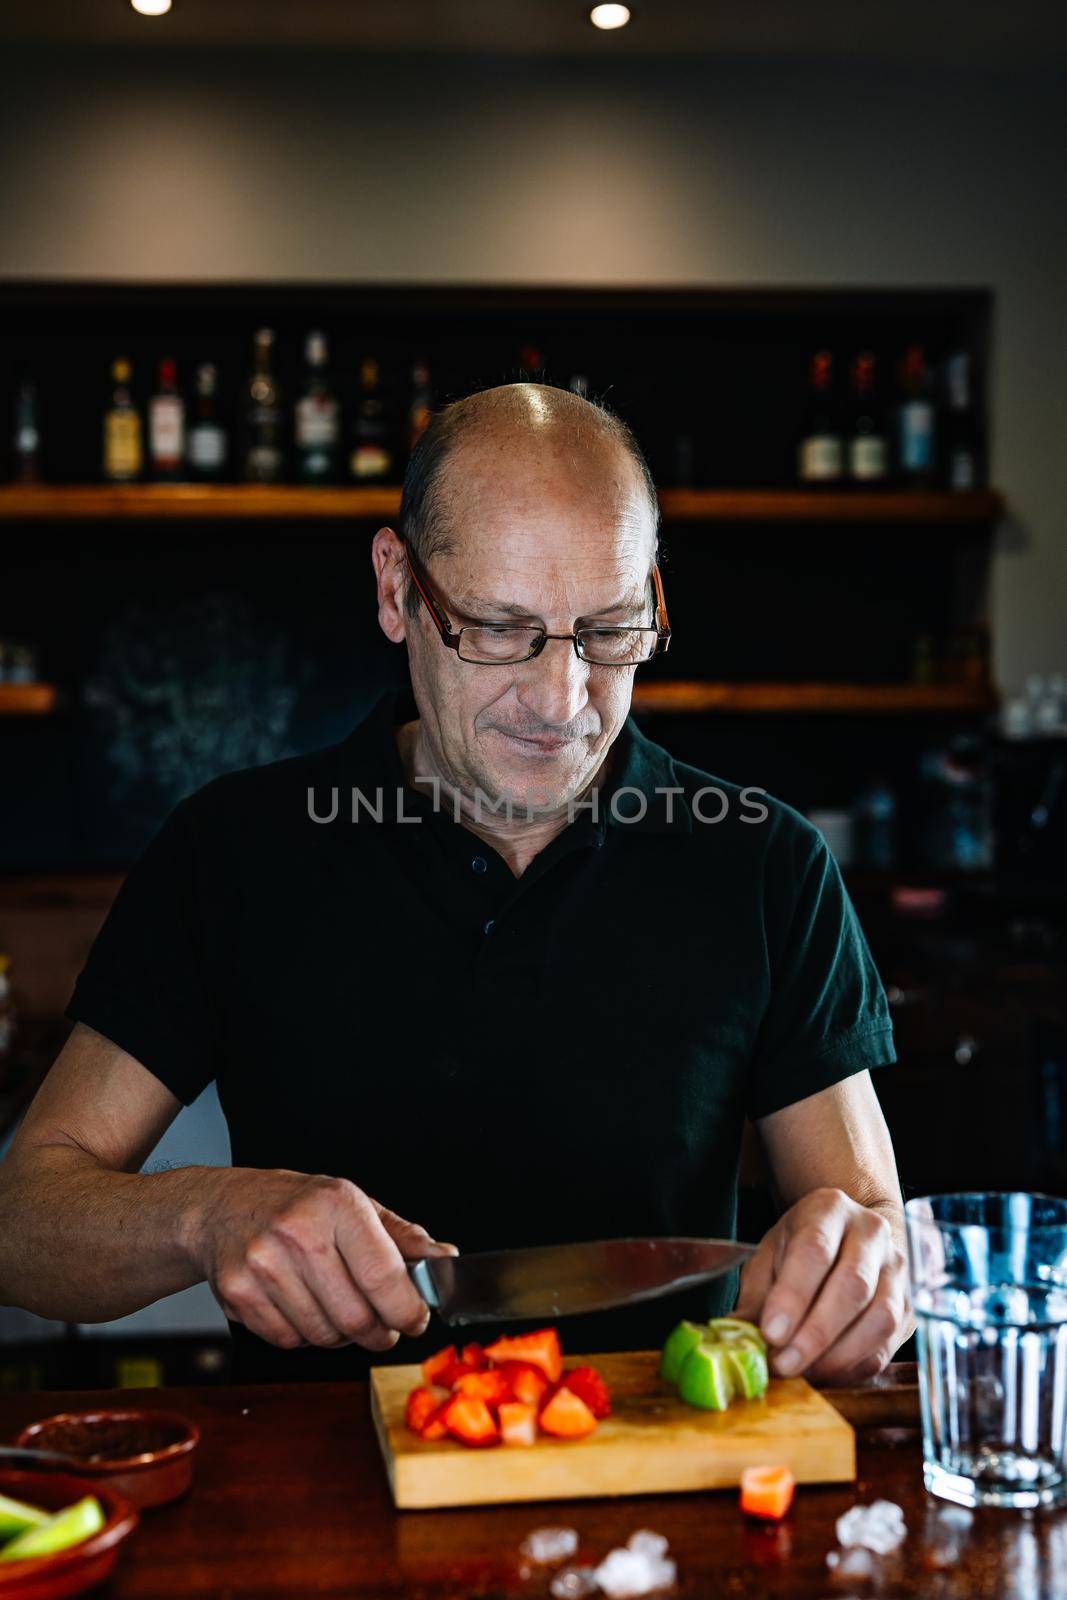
[(579, 385), (166, 426), (916, 422), (208, 445), (531, 365), (962, 450), (868, 442), (371, 460), (421, 409), (317, 418), (27, 441), (820, 454), (123, 447), (263, 454)]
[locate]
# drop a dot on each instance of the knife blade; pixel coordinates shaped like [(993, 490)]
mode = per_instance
[(566, 1279)]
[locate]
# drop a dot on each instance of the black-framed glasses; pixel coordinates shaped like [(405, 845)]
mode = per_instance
[(499, 644)]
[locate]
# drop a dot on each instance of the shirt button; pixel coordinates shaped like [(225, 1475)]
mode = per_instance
[(479, 863), (489, 926)]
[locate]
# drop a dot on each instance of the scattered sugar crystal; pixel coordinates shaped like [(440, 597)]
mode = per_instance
[(546, 1546), (623, 1573), (573, 1583), (879, 1527), (648, 1543)]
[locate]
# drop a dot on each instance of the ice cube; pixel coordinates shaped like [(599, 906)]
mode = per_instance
[(648, 1543), (547, 1546), (573, 1583), (853, 1563), (626, 1572), (879, 1527)]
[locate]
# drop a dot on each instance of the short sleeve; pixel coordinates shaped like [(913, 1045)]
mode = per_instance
[(826, 1016), (145, 985)]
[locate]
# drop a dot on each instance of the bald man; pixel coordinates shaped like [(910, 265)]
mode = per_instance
[(494, 971)]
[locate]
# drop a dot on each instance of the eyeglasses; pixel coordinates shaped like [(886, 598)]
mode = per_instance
[(499, 644)]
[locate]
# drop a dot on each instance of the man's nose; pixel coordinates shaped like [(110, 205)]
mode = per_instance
[(553, 685)]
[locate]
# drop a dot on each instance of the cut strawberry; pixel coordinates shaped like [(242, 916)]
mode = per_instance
[(491, 1386), (541, 1349), (589, 1386), (518, 1423), (528, 1384), (567, 1416), (767, 1492), (474, 1356), (422, 1403), (434, 1366), (471, 1421), (436, 1427), (452, 1374)]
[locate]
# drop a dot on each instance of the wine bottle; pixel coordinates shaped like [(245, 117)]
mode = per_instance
[(962, 450), (208, 444), (123, 449), (820, 456), (916, 432), (868, 444), (371, 460), (421, 409), (263, 454), (166, 425), (27, 441), (317, 421)]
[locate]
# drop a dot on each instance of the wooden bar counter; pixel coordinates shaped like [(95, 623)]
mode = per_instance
[(290, 1499)]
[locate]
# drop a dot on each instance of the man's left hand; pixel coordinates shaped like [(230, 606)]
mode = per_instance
[(828, 1288)]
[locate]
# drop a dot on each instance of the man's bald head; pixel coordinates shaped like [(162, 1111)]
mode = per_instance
[(517, 422)]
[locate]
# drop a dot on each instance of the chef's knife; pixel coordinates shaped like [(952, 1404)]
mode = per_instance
[(565, 1279)]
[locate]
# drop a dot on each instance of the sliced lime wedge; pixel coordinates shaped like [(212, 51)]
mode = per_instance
[(56, 1532), (706, 1379), (733, 1330), (685, 1337), (16, 1517), (749, 1369)]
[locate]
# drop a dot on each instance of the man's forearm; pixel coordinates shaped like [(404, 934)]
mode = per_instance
[(82, 1243)]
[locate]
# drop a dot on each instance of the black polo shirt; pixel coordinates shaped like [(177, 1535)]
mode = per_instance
[(507, 1061)]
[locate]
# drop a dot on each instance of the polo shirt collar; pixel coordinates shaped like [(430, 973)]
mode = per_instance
[(642, 771)]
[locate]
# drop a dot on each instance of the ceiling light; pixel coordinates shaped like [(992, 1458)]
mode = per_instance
[(151, 8), (609, 16)]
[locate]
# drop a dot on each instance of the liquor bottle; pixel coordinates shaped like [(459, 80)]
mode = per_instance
[(263, 457), (531, 365), (915, 420), (579, 385), (166, 425), (27, 443), (421, 409), (820, 456), (122, 428), (962, 448), (868, 444), (371, 460), (317, 420), (208, 445)]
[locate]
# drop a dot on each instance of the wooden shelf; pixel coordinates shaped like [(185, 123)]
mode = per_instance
[(182, 502), (681, 696), (27, 699)]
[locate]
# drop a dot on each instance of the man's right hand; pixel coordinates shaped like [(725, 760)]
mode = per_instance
[(303, 1260)]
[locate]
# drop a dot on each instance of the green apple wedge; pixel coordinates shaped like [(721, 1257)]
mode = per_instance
[(58, 1531), (16, 1517)]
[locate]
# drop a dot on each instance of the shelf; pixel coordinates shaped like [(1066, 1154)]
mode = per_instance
[(27, 699), (182, 502), (694, 696)]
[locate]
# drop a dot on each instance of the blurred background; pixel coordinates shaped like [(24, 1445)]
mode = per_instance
[(815, 257)]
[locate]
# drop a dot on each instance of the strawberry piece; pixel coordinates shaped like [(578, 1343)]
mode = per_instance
[(422, 1403), (589, 1386), (767, 1492), (540, 1349), (437, 1427), (528, 1384), (518, 1423), (491, 1386), (566, 1416), (471, 1421), (434, 1366), (452, 1374), (474, 1356)]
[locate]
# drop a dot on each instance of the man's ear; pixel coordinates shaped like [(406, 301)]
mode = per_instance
[(387, 558)]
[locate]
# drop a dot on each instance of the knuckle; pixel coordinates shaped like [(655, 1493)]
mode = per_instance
[(234, 1286), (287, 1339), (359, 1322), (857, 1283), (259, 1259), (884, 1320)]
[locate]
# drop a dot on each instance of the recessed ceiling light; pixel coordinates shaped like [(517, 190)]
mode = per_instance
[(609, 16), (151, 8)]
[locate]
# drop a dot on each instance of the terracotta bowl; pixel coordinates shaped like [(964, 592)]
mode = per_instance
[(146, 1456), (83, 1565)]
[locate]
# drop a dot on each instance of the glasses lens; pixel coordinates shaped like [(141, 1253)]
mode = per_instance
[(497, 644), (616, 647)]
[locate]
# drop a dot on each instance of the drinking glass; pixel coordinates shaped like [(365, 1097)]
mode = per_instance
[(989, 1288)]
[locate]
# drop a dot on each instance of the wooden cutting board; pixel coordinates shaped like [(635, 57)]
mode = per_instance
[(651, 1444)]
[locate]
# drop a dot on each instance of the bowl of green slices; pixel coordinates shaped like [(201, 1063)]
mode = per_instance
[(59, 1534)]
